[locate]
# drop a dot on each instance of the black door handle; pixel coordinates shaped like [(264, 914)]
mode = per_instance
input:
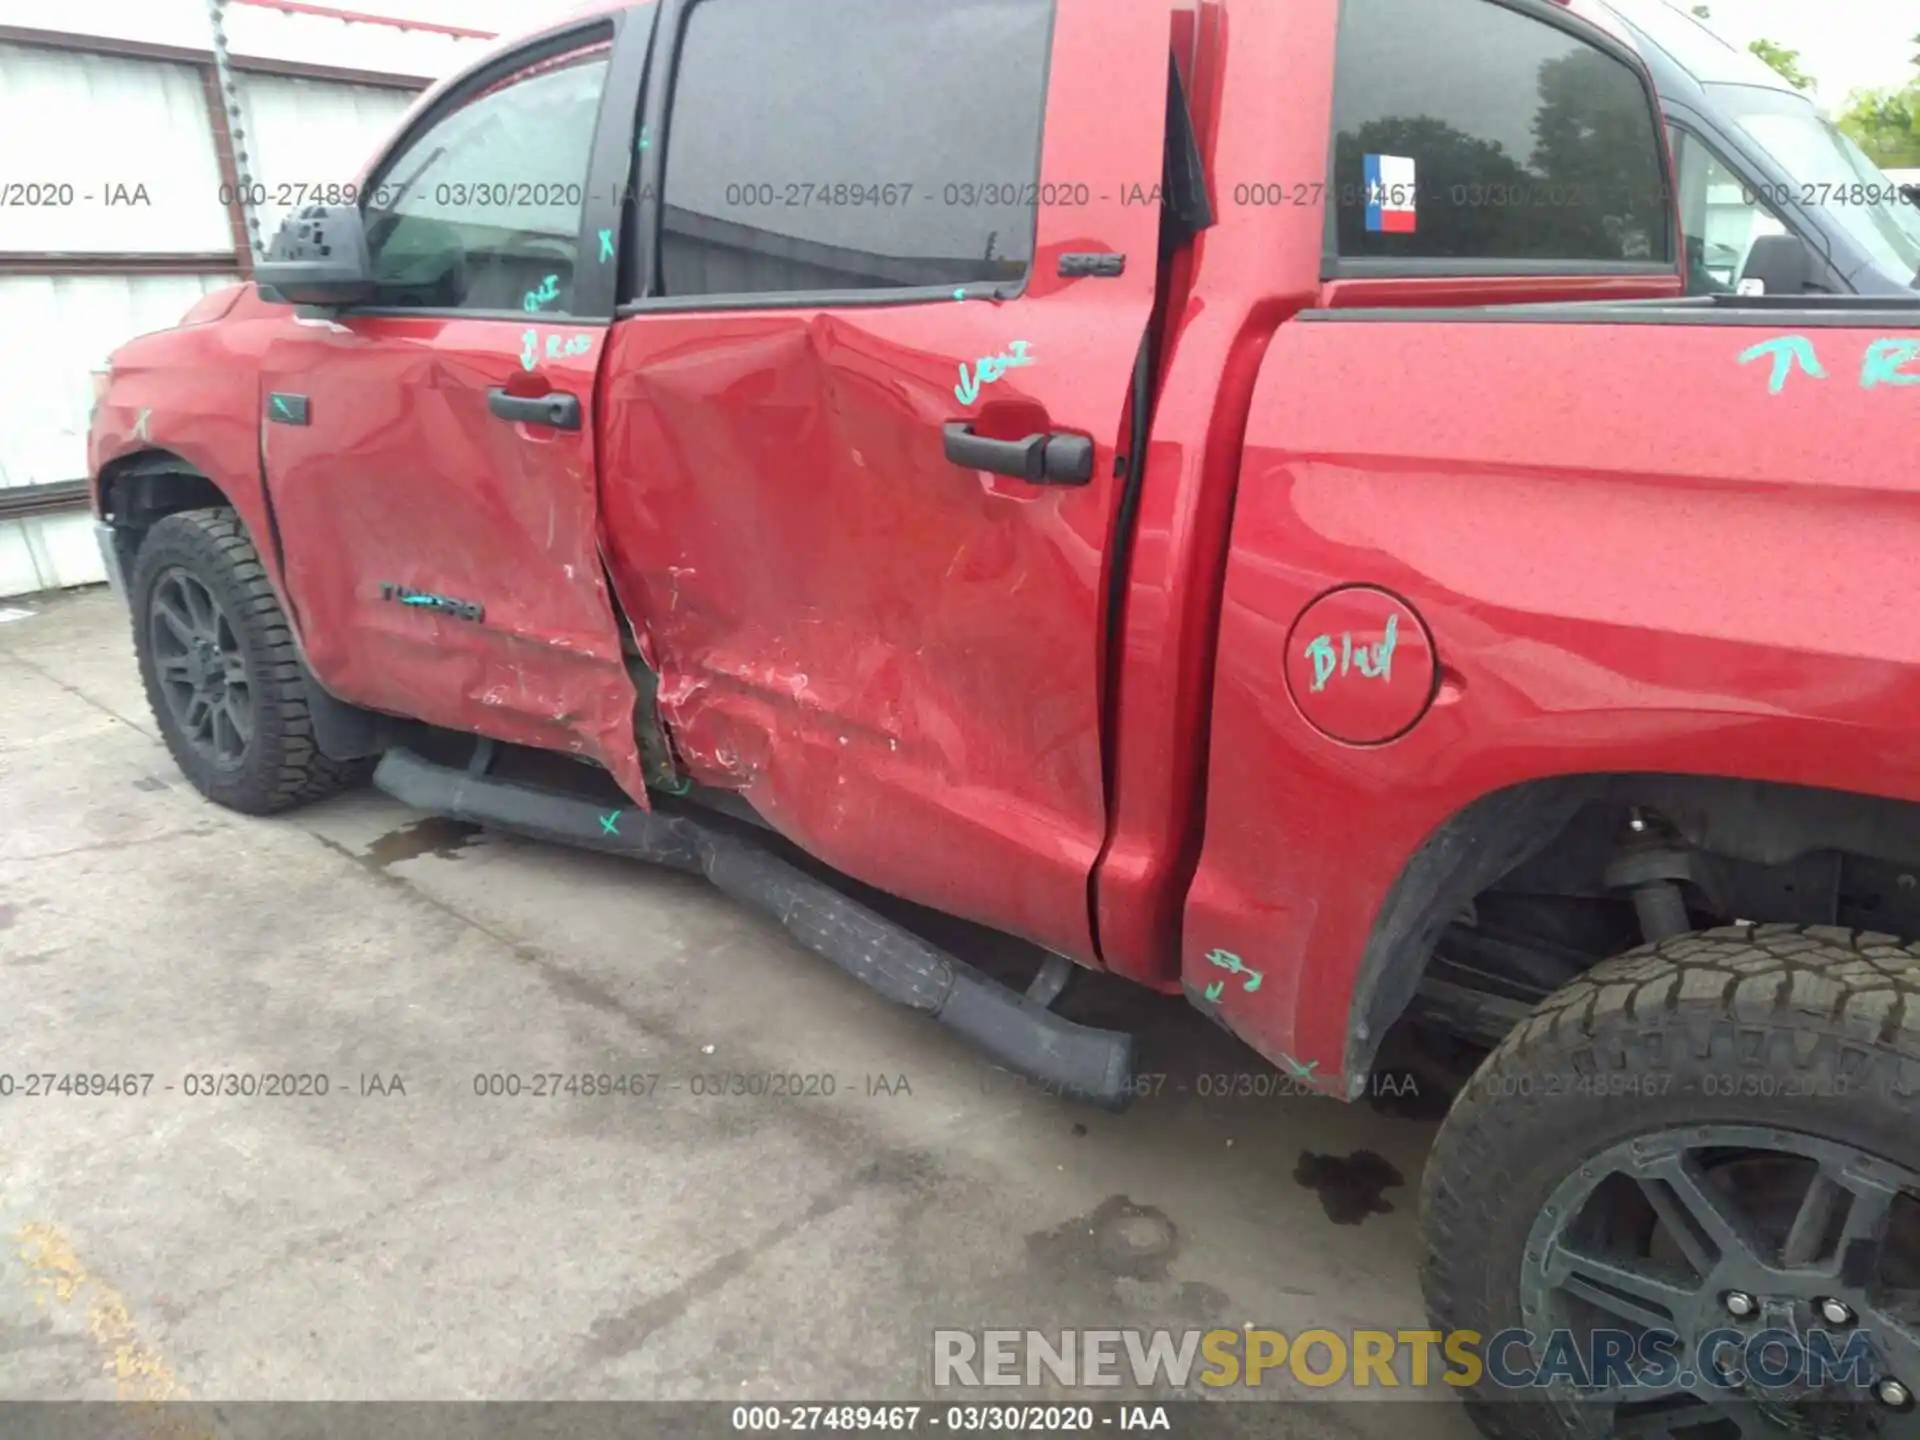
[(560, 411), (1038, 459)]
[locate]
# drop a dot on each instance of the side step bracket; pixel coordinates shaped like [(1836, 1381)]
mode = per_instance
[(1016, 1030)]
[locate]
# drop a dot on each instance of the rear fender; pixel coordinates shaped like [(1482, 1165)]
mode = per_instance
[(1721, 591)]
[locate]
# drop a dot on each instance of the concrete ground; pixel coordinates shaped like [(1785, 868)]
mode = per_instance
[(431, 1244)]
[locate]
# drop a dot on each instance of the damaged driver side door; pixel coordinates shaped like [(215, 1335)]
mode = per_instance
[(430, 455)]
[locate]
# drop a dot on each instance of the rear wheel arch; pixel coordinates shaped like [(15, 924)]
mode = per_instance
[(1532, 824), (1468, 852)]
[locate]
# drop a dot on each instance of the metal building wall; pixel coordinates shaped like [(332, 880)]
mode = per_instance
[(114, 131), (121, 103), (46, 397), (305, 133)]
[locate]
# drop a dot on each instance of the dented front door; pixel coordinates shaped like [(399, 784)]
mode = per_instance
[(891, 646), (431, 458)]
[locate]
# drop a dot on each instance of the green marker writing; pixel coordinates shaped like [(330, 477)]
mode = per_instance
[(1884, 362), (1787, 351)]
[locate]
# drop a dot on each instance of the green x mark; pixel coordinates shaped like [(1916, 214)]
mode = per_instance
[(610, 824)]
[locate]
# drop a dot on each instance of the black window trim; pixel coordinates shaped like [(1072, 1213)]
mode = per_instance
[(593, 299), (651, 190), (1334, 267), (1771, 312)]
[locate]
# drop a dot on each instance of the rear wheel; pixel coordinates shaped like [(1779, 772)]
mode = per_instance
[(221, 673), (1690, 1184)]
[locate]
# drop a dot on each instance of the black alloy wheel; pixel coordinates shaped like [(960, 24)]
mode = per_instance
[(201, 668)]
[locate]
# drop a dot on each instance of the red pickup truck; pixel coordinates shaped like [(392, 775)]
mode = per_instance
[(1230, 492)]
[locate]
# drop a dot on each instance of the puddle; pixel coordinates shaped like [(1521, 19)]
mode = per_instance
[(1124, 1249), (1350, 1188), (434, 835)]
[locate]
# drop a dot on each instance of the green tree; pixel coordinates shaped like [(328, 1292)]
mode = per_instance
[(1591, 137), (1784, 61), (1886, 124)]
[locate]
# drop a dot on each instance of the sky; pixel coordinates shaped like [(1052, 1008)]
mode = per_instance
[(1843, 44)]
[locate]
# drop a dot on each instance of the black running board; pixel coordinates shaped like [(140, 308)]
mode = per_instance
[(1026, 1037)]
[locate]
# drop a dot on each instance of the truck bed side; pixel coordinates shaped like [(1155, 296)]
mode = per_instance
[(1648, 538)]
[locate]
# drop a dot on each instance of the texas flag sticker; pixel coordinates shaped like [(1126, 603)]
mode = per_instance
[(1391, 195)]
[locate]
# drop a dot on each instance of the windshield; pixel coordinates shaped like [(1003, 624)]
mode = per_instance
[(1835, 174)]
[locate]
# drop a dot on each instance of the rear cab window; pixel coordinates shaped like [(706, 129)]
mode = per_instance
[(1482, 136)]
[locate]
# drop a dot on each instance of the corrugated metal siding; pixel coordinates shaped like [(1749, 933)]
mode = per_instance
[(46, 396), (49, 552), (98, 123), (94, 122), (254, 31), (310, 133), (58, 328)]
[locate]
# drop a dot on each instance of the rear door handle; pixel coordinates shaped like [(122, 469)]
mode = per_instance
[(562, 412), (1039, 459)]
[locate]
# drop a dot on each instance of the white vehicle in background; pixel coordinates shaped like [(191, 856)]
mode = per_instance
[(1774, 197)]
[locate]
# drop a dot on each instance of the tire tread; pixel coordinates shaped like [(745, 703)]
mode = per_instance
[(299, 773), (1820, 1000)]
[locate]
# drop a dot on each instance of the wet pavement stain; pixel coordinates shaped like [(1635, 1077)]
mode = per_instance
[(1120, 1238), (1129, 1247), (150, 783), (1350, 1187), (435, 835)]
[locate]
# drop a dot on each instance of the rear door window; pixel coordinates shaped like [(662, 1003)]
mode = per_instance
[(840, 145), (1475, 131)]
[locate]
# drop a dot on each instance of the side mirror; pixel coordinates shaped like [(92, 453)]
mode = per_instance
[(318, 258), (1778, 265)]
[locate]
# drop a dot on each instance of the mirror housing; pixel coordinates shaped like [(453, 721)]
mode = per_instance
[(318, 258), (1778, 265)]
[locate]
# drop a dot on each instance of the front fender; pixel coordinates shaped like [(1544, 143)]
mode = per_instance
[(194, 393)]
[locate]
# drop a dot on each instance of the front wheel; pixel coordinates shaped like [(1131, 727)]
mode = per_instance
[(221, 672), (1683, 1198)]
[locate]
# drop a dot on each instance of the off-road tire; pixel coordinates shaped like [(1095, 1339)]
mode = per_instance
[(1822, 1024), (281, 766)]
